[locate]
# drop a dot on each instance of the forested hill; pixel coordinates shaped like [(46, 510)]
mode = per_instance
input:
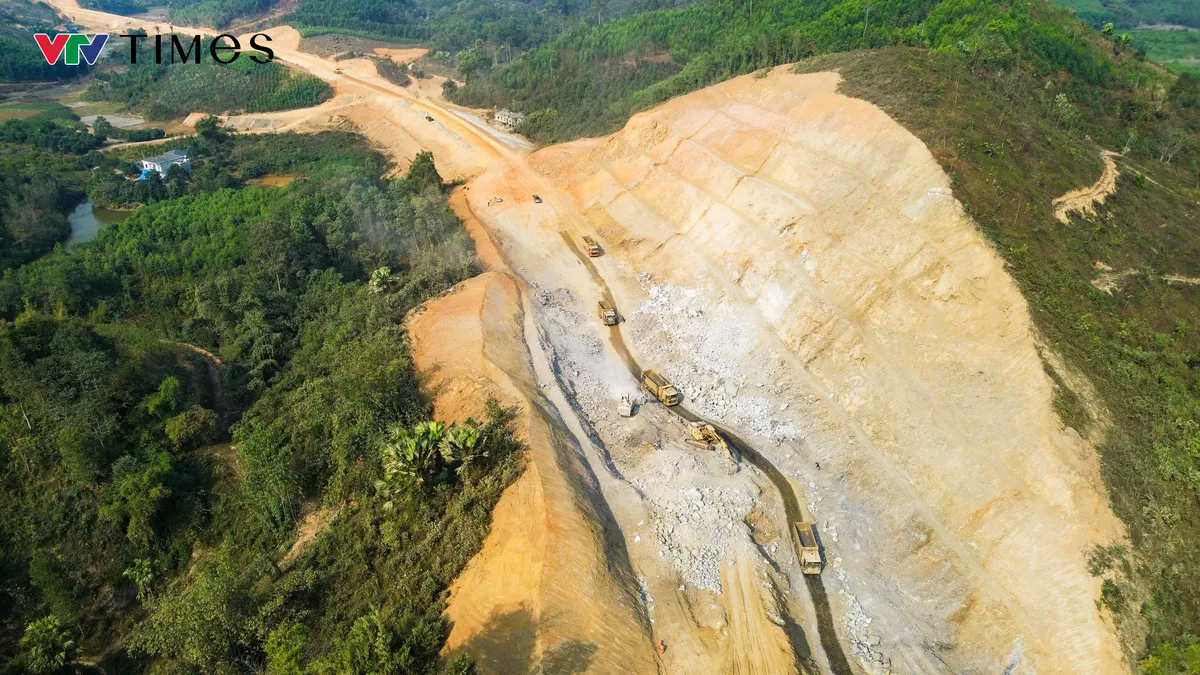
[(1016, 100), (591, 79), (164, 91), (20, 60), (177, 394), (1134, 13)]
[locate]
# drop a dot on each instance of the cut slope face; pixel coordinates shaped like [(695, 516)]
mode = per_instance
[(806, 250), (541, 593)]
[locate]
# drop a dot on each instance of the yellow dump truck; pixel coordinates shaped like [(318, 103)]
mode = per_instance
[(592, 248), (810, 551), (662, 389), (608, 314)]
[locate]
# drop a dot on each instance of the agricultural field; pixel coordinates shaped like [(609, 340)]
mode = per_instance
[(1175, 48)]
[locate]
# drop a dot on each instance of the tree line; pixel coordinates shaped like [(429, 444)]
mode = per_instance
[(177, 392), (165, 91)]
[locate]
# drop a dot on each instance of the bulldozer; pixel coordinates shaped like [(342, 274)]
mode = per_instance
[(661, 388), (608, 313), (808, 548), (706, 437)]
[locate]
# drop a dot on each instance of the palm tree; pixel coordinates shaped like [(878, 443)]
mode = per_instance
[(461, 446), (414, 452)]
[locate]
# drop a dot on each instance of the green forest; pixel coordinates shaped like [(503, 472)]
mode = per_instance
[(45, 162), (20, 59), (179, 393), (166, 91), (591, 79)]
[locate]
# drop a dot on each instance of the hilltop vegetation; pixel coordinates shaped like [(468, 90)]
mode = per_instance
[(179, 392), (591, 79), (20, 59), (165, 91)]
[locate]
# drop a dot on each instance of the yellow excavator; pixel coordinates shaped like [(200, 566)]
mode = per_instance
[(706, 437)]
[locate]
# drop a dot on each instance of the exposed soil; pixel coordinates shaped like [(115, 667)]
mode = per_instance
[(1084, 200), (312, 525), (795, 261)]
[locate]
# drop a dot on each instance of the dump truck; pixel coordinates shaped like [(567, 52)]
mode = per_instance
[(592, 248), (810, 551), (706, 437), (660, 388), (608, 313)]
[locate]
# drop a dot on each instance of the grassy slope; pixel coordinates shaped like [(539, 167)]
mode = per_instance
[(1139, 347), (1130, 13), (1177, 49)]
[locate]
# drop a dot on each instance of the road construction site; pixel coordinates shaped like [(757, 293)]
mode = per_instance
[(795, 264)]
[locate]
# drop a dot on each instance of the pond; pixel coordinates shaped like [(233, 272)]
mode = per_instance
[(86, 220)]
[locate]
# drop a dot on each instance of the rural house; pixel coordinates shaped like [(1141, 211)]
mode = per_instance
[(509, 118), (162, 163)]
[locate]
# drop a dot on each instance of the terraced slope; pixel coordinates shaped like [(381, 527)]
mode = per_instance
[(803, 242)]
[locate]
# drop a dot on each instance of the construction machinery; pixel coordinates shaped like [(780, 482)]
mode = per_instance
[(661, 388), (625, 406), (809, 549), (592, 248), (608, 313), (706, 437)]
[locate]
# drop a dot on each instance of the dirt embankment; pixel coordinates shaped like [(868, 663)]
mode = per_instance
[(809, 279), (545, 591)]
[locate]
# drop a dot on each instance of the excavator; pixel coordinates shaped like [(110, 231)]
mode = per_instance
[(706, 437)]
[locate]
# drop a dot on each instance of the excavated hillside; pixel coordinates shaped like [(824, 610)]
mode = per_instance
[(795, 260), (542, 592)]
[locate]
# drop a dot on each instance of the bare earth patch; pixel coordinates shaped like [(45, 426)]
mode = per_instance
[(1084, 200)]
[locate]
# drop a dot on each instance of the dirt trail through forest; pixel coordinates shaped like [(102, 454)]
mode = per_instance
[(795, 261)]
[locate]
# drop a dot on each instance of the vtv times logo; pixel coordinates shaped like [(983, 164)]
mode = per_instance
[(71, 46), (223, 49)]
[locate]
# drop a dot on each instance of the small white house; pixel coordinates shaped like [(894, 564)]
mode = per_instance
[(509, 118), (162, 163)]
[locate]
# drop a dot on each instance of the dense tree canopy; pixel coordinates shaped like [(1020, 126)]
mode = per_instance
[(164, 91), (175, 393)]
